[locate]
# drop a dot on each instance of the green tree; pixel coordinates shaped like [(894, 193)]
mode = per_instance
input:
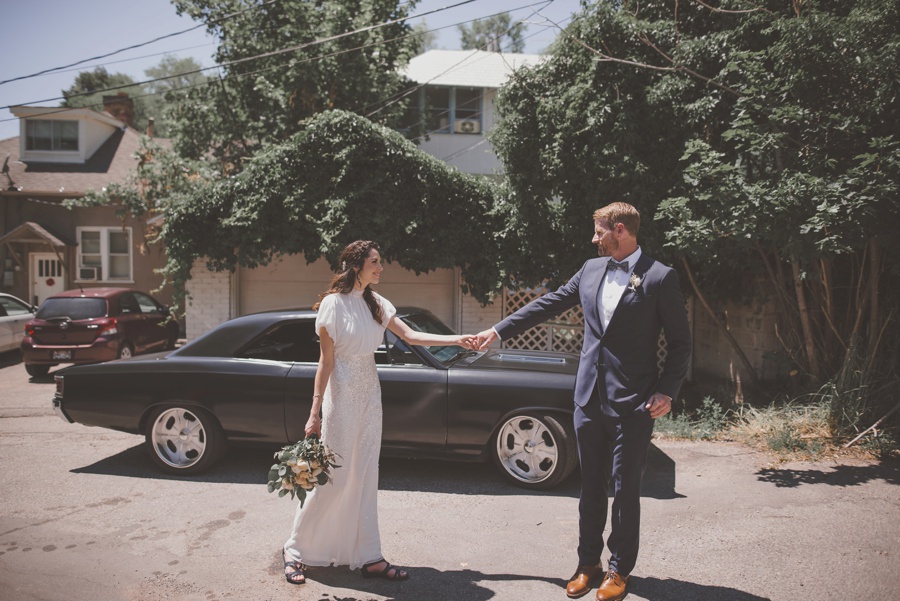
[(264, 94), (90, 87), (425, 39), (340, 178), (759, 140), (176, 77), (494, 34)]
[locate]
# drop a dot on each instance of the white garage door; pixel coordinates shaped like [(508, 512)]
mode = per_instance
[(290, 283)]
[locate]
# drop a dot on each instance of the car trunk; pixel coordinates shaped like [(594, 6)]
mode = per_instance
[(69, 321)]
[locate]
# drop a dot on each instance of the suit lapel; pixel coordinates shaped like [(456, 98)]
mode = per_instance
[(592, 285)]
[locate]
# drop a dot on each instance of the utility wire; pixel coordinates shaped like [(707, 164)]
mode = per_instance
[(250, 73), (255, 57), (240, 75), (119, 51)]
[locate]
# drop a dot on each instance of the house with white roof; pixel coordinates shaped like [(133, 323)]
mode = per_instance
[(454, 104)]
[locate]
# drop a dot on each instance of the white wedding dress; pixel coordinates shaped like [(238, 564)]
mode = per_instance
[(338, 523)]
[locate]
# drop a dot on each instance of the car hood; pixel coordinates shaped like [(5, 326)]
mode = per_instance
[(519, 360)]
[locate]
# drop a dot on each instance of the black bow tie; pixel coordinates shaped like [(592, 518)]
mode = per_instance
[(613, 265)]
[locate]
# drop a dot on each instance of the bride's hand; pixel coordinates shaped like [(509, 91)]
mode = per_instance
[(314, 426), (467, 341)]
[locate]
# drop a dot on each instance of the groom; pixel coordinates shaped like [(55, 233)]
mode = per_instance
[(627, 298)]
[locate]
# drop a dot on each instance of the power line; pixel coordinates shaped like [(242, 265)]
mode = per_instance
[(119, 51), (258, 56), (401, 95), (246, 74), (134, 58)]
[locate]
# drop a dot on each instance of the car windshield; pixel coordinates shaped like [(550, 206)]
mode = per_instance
[(73, 308), (426, 322)]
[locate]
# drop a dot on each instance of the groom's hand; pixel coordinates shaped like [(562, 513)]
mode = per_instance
[(485, 339), (659, 404)]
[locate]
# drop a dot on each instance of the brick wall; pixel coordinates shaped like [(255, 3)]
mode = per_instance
[(210, 299)]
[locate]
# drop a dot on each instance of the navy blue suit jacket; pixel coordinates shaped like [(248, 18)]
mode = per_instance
[(621, 361)]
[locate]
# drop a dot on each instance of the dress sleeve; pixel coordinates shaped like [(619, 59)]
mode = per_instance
[(387, 309), (327, 317)]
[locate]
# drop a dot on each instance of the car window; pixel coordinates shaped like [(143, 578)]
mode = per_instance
[(147, 304), (129, 304), (295, 341), (73, 308), (398, 352), (12, 307)]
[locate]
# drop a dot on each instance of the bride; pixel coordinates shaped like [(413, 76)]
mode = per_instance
[(338, 523)]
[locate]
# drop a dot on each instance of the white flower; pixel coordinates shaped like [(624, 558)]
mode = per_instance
[(634, 282)]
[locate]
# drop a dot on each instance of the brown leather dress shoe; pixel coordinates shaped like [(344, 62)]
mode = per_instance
[(613, 587), (582, 582)]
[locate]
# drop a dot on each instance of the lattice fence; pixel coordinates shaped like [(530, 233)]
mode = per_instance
[(563, 333)]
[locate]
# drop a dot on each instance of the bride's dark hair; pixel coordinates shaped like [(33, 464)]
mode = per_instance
[(351, 261)]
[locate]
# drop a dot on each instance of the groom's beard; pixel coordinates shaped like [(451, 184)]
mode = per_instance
[(607, 249)]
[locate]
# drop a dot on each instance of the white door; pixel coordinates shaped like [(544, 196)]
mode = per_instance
[(47, 276)]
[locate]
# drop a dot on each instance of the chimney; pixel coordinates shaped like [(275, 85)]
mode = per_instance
[(121, 107), (150, 121)]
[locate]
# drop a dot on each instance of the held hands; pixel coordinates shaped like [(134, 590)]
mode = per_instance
[(467, 341), (659, 404), (314, 426), (485, 339)]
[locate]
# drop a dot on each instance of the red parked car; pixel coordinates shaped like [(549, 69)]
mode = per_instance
[(95, 325)]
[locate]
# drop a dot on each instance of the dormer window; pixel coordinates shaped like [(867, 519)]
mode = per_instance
[(51, 134)]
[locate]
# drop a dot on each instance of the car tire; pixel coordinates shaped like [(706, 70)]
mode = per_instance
[(126, 351), (535, 450), (37, 371), (183, 440)]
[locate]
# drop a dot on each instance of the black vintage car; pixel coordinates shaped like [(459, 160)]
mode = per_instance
[(250, 381)]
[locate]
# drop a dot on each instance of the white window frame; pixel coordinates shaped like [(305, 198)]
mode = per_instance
[(105, 254)]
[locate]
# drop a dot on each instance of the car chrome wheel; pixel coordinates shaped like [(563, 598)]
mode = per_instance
[(530, 449), (179, 438), (126, 352)]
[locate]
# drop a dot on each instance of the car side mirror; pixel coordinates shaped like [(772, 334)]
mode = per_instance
[(165, 309)]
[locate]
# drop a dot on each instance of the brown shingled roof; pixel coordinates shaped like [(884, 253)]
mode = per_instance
[(112, 163)]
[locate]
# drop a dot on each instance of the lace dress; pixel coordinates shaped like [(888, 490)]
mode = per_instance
[(338, 523)]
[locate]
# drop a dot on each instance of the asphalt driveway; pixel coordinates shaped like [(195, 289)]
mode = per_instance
[(84, 516)]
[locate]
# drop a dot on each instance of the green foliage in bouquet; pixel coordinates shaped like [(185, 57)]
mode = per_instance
[(301, 467)]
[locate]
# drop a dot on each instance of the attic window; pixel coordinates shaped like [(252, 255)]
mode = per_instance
[(51, 134)]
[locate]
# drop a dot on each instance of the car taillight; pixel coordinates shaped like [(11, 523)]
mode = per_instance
[(59, 385), (29, 330), (109, 328)]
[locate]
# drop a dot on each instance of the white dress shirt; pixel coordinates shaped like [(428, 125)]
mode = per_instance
[(613, 286)]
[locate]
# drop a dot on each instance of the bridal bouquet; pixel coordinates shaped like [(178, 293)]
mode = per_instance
[(301, 467)]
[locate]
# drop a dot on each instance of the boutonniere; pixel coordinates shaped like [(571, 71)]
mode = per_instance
[(634, 282)]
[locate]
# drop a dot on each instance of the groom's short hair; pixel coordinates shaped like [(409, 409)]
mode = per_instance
[(620, 212)]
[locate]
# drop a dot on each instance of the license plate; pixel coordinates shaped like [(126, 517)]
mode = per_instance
[(61, 355)]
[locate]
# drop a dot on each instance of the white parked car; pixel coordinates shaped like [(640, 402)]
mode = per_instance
[(14, 314)]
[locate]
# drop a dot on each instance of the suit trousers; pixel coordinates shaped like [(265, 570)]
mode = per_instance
[(610, 449)]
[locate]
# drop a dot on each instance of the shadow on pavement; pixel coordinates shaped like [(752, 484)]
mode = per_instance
[(10, 358), (424, 583), (250, 465), (840, 475), (666, 589)]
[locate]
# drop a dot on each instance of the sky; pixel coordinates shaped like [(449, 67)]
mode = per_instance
[(44, 34)]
